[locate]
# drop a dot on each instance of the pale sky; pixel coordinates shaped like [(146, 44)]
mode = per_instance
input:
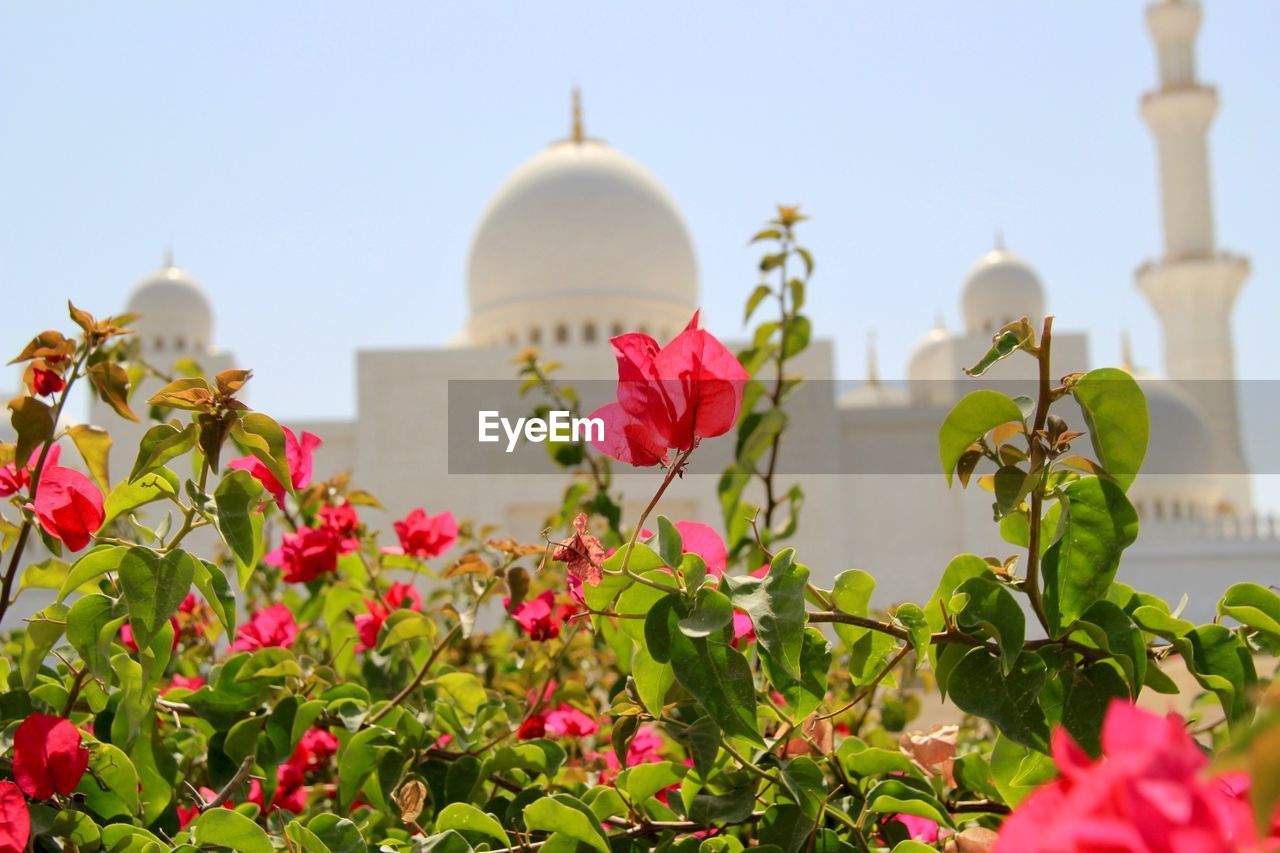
[(320, 166)]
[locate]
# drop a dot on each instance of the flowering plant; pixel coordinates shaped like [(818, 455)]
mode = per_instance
[(652, 683)]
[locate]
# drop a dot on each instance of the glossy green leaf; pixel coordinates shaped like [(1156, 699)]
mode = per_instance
[(159, 445), (128, 496), (263, 438), (90, 567), (1079, 567), (896, 796), (228, 829), (153, 587), (1253, 605), (237, 497), (776, 606), (1115, 411), (711, 612), (985, 606), (465, 817), (974, 416), (94, 444), (564, 814), (978, 686)]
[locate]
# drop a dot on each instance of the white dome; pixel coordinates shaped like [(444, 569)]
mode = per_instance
[(174, 311), (580, 233), (929, 359), (999, 289)]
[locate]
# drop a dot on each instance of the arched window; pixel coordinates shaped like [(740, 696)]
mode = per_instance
[(562, 334), (535, 335), (159, 342), (179, 343), (589, 333)]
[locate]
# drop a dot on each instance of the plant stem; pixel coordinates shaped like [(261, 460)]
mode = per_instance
[(870, 688), (675, 469), (1043, 399), (417, 679)]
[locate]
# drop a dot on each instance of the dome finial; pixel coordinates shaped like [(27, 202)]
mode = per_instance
[(999, 240), (577, 133), (168, 256), (1126, 352)]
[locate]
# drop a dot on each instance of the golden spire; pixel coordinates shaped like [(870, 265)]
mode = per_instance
[(873, 367), (168, 256), (577, 134)]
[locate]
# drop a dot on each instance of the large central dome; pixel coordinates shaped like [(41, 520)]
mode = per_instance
[(579, 243)]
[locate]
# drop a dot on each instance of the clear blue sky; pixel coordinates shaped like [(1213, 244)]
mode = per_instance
[(320, 166)]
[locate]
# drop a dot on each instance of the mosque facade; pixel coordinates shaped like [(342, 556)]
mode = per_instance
[(582, 243)]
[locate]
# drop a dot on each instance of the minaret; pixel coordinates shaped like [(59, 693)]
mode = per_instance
[(1193, 286)]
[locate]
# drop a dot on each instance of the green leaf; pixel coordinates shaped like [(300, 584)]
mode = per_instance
[(1115, 410), (757, 296), (653, 680), (670, 546), (237, 498), (860, 760), (337, 833), (645, 780), (986, 605), (160, 444), (804, 694), (213, 585), (405, 625), (303, 839), (795, 335), (465, 689), (1110, 629), (896, 796), (978, 686), (1087, 693), (1222, 663), (1018, 770), (911, 617), (229, 830), (711, 612), (263, 438), (465, 817), (562, 813), (851, 593), (1099, 523), (128, 496), (713, 672), (1004, 344), (1253, 605), (94, 444), (356, 761), (85, 623), (731, 806), (153, 588), (43, 630), (807, 785), (33, 421), (974, 416), (91, 566), (119, 798), (776, 607)]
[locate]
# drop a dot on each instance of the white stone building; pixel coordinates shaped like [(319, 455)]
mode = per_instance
[(582, 243)]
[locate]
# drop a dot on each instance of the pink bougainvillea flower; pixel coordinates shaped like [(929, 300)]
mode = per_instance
[(425, 536), (68, 506), (670, 397), (297, 454), (47, 756), (45, 382), (183, 682), (582, 553), (272, 626), (744, 630), (534, 726), (306, 554), (15, 819), (315, 748), (343, 521), (400, 595), (540, 617), (918, 828), (702, 539), (567, 721), (1148, 792), (645, 748), (15, 478)]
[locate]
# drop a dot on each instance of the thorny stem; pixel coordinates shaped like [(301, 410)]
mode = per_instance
[(246, 767)]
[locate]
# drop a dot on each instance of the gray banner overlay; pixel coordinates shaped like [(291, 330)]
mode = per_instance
[(852, 428)]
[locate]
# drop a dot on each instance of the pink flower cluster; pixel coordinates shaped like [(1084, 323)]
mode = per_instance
[(400, 595), (1149, 793)]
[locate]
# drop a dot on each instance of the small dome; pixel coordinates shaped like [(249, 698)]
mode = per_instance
[(928, 359), (174, 313), (999, 289), (581, 232)]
